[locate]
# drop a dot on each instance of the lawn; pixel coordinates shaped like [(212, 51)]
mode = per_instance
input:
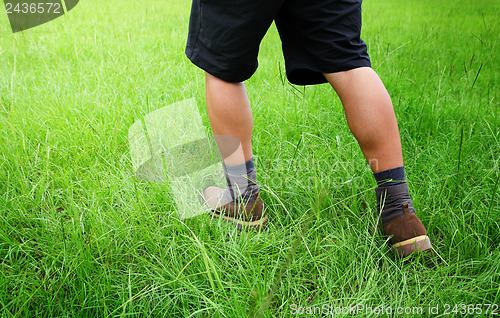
[(81, 236)]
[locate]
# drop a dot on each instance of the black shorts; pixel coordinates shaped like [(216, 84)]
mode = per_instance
[(318, 36)]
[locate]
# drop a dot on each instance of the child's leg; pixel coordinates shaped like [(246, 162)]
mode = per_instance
[(370, 116), (230, 114), (371, 119)]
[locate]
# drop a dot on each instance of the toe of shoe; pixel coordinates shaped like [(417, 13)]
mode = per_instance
[(414, 245), (211, 196)]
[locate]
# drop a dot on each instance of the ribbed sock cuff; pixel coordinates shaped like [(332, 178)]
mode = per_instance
[(390, 176), (241, 169)]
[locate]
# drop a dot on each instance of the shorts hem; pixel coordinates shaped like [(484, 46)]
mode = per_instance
[(220, 74), (307, 75)]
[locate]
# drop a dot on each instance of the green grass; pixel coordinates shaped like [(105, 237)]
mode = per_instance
[(81, 237)]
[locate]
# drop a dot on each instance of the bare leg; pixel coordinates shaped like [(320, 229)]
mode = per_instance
[(370, 116), (230, 114)]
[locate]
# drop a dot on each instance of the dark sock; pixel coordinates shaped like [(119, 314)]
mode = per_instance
[(241, 181), (243, 168), (390, 177), (250, 165), (392, 192)]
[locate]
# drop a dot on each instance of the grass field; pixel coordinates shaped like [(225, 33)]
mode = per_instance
[(81, 237)]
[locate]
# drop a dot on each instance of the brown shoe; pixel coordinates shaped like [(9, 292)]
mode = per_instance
[(244, 216), (407, 233)]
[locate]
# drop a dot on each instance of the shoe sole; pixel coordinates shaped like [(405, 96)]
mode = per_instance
[(417, 244), (241, 225)]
